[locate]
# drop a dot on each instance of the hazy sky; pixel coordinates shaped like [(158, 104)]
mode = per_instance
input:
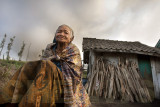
[(35, 21)]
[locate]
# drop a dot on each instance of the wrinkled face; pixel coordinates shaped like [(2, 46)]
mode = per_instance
[(63, 34)]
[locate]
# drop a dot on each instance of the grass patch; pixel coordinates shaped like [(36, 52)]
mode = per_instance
[(6, 66), (10, 63)]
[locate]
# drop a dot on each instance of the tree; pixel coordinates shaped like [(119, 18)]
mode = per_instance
[(2, 43), (40, 56), (10, 44), (28, 52), (21, 51)]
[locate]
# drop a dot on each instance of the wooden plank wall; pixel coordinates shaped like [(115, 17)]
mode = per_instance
[(157, 67), (114, 57), (91, 59)]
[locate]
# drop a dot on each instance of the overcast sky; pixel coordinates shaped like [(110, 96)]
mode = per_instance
[(35, 21)]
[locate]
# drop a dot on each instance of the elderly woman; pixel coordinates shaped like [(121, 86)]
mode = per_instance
[(53, 81)]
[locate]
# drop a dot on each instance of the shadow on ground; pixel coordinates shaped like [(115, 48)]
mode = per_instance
[(155, 103)]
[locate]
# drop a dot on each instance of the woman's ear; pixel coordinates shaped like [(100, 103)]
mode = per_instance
[(72, 38)]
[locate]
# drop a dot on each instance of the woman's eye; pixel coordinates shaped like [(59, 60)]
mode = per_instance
[(59, 31), (65, 32)]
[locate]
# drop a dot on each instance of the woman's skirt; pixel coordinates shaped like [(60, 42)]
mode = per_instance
[(35, 84)]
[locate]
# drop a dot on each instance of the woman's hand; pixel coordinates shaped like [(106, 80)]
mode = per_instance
[(49, 58)]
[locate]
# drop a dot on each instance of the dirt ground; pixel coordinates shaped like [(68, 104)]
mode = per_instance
[(115, 104), (155, 103)]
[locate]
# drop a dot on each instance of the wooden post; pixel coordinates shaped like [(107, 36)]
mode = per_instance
[(91, 60), (155, 79)]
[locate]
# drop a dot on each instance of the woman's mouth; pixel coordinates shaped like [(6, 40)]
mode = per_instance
[(62, 37)]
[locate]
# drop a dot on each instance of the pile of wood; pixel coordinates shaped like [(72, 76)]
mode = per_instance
[(120, 81)]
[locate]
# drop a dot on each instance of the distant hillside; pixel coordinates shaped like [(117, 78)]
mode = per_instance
[(7, 69)]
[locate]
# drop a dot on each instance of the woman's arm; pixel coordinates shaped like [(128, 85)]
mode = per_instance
[(48, 54)]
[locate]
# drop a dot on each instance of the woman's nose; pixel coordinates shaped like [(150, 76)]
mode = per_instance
[(62, 33)]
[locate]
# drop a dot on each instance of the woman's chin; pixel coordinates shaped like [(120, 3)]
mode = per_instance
[(62, 41)]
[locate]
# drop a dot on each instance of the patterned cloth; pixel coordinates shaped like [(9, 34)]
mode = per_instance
[(41, 83), (74, 93), (35, 84)]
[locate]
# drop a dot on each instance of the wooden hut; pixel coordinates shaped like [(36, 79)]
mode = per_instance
[(145, 57)]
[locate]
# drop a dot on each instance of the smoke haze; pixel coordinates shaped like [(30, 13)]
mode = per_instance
[(36, 21)]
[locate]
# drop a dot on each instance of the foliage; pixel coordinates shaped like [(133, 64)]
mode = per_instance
[(21, 51), (2, 43), (10, 44), (28, 52)]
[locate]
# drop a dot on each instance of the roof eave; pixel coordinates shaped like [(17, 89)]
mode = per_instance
[(125, 51)]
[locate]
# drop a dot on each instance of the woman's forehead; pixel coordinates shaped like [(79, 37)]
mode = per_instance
[(64, 28)]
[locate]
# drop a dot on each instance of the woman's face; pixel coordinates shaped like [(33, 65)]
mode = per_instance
[(63, 34)]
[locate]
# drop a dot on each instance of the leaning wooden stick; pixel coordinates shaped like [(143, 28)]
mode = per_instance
[(122, 81)]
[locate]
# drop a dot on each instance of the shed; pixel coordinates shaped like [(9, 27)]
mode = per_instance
[(147, 58)]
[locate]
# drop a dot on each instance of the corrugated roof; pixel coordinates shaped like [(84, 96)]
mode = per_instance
[(119, 46)]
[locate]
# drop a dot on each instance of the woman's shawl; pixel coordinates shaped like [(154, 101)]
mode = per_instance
[(74, 93)]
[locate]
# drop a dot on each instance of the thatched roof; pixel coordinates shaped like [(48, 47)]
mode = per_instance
[(102, 45)]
